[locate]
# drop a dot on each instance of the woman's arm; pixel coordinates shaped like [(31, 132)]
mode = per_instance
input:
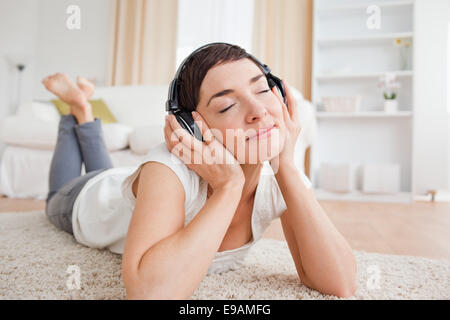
[(324, 259), (174, 266)]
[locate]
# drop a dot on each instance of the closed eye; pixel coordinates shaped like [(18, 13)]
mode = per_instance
[(226, 109)]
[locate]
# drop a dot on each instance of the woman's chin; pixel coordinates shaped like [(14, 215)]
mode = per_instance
[(262, 152)]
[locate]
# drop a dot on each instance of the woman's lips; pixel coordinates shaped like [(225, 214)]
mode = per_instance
[(262, 133)]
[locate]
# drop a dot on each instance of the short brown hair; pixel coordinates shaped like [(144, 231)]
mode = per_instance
[(192, 75)]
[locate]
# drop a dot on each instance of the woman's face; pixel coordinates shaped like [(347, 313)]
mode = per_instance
[(237, 104)]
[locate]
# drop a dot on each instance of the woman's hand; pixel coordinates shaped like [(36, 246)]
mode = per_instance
[(292, 125), (209, 159)]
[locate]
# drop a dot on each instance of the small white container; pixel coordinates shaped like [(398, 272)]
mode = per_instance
[(390, 106), (341, 103), (336, 177), (381, 178)]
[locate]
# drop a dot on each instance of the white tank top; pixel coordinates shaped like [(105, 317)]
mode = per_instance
[(103, 209)]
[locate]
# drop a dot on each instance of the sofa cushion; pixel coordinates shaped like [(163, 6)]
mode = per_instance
[(29, 131), (42, 110), (99, 110), (143, 138), (116, 135), (135, 106)]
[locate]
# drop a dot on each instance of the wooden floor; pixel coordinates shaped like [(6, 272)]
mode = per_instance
[(418, 229)]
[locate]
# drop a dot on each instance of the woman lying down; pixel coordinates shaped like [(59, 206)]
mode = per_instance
[(198, 201)]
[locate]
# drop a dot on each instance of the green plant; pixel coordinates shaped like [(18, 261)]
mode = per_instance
[(391, 97)]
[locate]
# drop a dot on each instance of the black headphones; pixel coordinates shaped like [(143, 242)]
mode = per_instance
[(184, 117)]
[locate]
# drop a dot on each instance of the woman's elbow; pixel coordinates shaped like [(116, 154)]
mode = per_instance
[(346, 291), (348, 287), (137, 289)]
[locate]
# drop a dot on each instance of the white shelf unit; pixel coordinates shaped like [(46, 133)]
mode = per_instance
[(348, 59), (331, 6)]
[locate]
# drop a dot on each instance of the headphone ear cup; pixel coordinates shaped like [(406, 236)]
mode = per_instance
[(186, 121), (276, 82), (271, 83)]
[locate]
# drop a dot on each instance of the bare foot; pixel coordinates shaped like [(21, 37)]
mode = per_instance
[(86, 86), (61, 85)]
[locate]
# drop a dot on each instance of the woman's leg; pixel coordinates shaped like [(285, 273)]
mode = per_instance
[(75, 144), (93, 149), (67, 159), (78, 134)]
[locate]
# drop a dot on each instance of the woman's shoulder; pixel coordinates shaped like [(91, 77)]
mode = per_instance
[(161, 154)]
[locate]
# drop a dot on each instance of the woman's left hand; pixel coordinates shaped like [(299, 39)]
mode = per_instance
[(292, 128)]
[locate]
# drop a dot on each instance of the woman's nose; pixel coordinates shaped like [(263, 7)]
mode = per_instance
[(257, 111)]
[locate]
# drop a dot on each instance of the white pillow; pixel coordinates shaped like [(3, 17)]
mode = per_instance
[(135, 106), (29, 132), (41, 110), (145, 137), (116, 135)]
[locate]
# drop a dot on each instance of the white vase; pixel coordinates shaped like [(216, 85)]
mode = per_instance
[(390, 105)]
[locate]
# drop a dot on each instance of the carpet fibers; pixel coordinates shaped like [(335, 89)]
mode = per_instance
[(38, 261)]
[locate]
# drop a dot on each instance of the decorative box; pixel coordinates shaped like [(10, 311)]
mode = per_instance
[(381, 178), (336, 177)]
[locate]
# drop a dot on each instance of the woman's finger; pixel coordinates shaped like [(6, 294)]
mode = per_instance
[(275, 92), (204, 129), (186, 154), (180, 135), (292, 103), (286, 115)]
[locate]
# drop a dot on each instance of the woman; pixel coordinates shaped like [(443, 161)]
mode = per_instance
[(174, 219)]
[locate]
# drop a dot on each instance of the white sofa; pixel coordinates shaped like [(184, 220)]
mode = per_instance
[(30, 135)]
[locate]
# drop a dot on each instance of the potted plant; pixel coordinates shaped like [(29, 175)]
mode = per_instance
[(403, 45), (388, 84)]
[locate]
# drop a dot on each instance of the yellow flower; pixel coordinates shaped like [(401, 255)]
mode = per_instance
[(398, 42)]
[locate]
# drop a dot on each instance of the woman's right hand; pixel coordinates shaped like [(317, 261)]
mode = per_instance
[(209, 159)]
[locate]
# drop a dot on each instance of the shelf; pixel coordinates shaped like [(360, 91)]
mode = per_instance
[(348, 59), (363, 114), (357, 6), (358, 196), (363, 39), (369, 75)]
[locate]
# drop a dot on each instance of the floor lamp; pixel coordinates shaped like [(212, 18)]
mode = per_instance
[(18, 62), (20, 67)]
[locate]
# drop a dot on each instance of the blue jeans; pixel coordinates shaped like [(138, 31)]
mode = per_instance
[(75, 144)]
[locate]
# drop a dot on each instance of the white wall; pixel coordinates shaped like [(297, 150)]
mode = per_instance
[(448, 99), (75, 52), (36, 30), (18, 38), (431, 121)]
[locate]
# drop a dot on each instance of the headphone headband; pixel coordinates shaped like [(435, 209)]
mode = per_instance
[(172, 99)]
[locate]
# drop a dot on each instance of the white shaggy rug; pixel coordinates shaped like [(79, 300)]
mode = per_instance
[(36, 262)]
